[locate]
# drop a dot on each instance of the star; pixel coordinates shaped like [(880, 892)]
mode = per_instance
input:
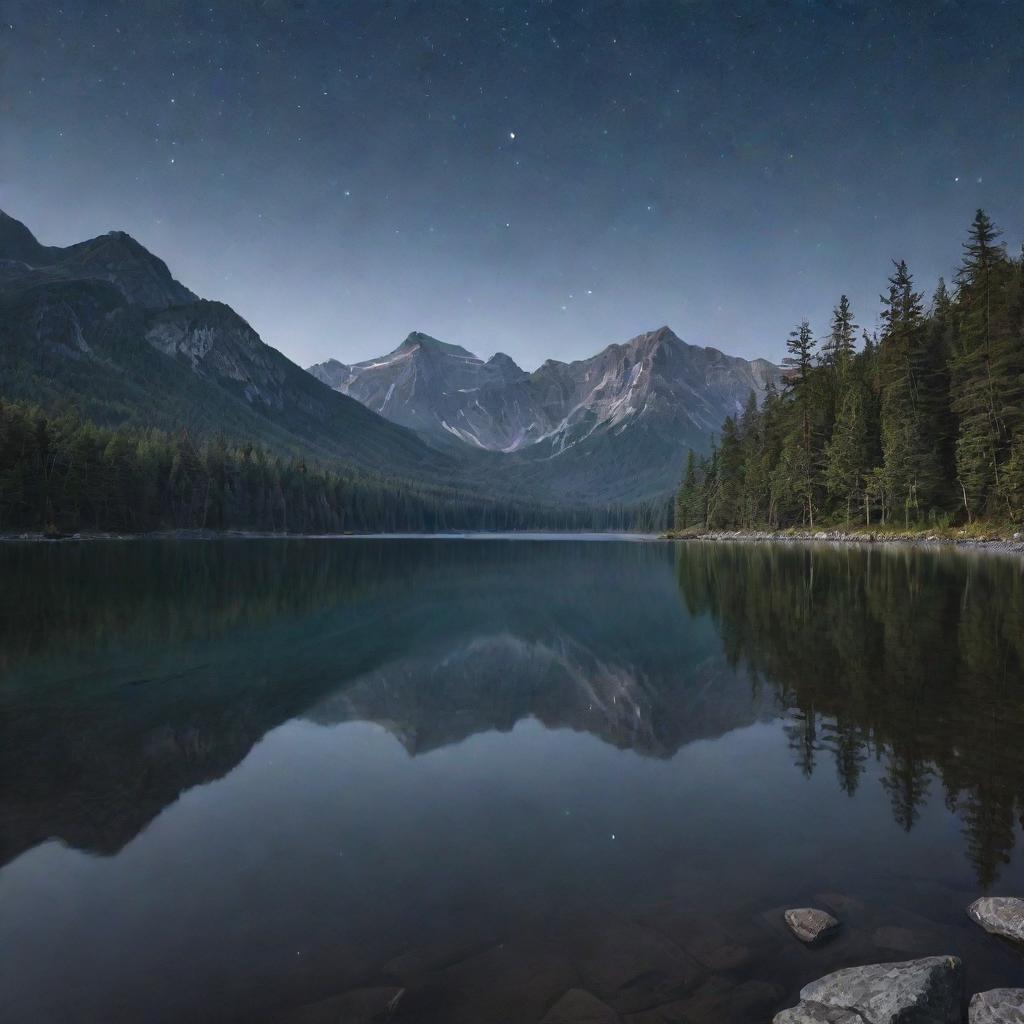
[(512, 136)]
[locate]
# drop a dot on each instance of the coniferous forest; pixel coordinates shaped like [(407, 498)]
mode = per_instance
[(921, 424), (61, 474)]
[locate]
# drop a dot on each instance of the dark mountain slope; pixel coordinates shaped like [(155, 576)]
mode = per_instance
[(104, 325)]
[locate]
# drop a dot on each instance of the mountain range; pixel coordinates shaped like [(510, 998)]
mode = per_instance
[(617, 423), (446, 392), (104, 325)]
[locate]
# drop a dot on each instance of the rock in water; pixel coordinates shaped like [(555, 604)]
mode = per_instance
[(818, 1013), (810, 925), (914, 992), (578, 1006), (997, 1006), (1000, 915)]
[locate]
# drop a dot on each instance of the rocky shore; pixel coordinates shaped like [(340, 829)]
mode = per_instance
[(1012, 543), (924, 991), (697, 968)]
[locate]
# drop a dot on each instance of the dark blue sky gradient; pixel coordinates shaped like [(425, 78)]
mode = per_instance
[(343, 173)]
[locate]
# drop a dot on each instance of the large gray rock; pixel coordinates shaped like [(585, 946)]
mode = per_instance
[(810, 925), (818, 1013), (997, 1006), (1000, 915), (914, 992)]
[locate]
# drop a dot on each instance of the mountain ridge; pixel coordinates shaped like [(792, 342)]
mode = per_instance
[(104, 324), (643, 400)]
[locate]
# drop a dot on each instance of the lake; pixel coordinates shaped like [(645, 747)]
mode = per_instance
[(453, 780)]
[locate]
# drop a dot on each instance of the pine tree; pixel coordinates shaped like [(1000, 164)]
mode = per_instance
[(985, 362), (910, 401), (687, 504), (847, 455), (729, 476), (756, 468), (801, 467), (839, 347)]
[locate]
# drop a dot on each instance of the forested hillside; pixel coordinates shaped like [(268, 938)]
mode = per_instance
[(922, 424), (62, 474), (143, 406)]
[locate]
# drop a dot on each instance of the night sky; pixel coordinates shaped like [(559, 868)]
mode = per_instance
[(541, 178)]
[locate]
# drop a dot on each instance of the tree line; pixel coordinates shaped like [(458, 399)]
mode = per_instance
[(61, 474), (921, 423)]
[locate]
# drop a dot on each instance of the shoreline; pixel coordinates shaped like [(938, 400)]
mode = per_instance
[(994, 544), (29, 537), (1013, 544)]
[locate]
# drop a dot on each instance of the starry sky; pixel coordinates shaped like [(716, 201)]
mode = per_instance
[(541, 177)]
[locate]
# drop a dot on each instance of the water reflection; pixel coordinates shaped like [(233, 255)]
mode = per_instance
[(485, 773), (896, 654), (134, 671)]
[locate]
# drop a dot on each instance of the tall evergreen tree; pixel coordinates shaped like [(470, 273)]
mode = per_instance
[(802, 466), (839, 347), (910, 401), (688, 511), (986, 367)]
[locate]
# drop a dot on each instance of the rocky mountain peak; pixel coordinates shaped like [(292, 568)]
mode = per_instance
[(18, 243), (506, 366), (432, 347), (640, 403), (331, 372), (115, 257)]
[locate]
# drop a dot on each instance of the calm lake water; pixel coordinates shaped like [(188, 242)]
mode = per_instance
[(285, 780)]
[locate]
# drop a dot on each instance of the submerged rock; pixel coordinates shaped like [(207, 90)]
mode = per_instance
[(360, 1006), (997, 1006), (914, 992), (578, 1006), (810, 925), (1000, 915)]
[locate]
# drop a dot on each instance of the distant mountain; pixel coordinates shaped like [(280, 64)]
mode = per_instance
[(104, 324), (440, 390), (615, 426)]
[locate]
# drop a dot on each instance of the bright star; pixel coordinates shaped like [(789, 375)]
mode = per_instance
[(511, 135)]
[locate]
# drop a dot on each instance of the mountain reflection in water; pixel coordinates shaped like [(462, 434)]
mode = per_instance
[(612, 745)]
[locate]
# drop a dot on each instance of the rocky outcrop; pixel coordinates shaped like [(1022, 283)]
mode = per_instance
[(997, 1006), (924, 991), (1000, 915), (811, 925)]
